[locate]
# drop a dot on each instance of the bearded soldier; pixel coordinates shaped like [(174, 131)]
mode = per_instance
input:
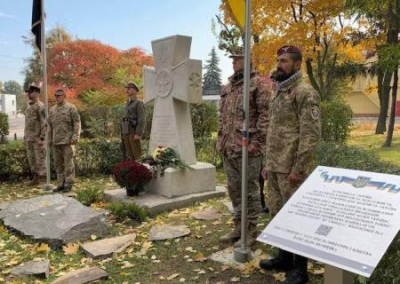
[(230, 144), (292, 137), (64, 130), (34, 135)]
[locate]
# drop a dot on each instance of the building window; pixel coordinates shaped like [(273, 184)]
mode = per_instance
[(12, 102)]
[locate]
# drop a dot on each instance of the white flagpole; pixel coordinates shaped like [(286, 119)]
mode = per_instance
[(48, 185), (243, 254)]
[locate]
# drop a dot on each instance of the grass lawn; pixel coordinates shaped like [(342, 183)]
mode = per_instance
[(363, 136)]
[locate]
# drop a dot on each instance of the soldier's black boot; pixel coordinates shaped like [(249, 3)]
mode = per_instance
[(282, 262), (59, 188), (298, 275), (67, 188)]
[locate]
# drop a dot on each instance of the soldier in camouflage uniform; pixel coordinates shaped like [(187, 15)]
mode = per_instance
[(292, 137), (133, 123), (34, 135), (230, 144), (64, 130)]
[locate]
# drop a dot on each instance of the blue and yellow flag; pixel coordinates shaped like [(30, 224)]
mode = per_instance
[(238, 11)]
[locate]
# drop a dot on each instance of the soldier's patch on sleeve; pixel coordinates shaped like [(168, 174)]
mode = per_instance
[(315, 112)]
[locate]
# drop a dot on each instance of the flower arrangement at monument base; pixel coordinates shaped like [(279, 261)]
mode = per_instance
[(132, 176), (163, 158)]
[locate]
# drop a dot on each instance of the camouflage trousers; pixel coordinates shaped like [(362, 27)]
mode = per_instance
[(279, 191), (233, 169), (133, 149), (36, 158), (64, 163)]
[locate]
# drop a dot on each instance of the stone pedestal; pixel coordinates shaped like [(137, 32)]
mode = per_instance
[(155, 203), (175, 189), (174, 183)]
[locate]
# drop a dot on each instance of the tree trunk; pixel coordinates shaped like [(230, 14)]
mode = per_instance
[(313, 81), (392, 120), (392, 38), (384, 93)]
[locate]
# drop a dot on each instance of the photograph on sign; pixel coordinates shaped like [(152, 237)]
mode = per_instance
[(344, 218)]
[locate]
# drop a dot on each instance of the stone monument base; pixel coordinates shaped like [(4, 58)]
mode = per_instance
[(155, 203), (201, 177), (175, 189)]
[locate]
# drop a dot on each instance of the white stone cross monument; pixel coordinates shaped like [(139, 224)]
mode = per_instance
[(172, 85)]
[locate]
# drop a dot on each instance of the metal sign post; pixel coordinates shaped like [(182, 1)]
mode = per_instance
[(243, 254), (334, 275)]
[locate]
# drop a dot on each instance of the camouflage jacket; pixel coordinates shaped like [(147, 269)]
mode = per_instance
[(294, 128), (231, 116), (35, 122), (134, 109), (64, 124)]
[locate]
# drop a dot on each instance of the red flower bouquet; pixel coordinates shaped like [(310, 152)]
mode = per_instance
[(132, 176)]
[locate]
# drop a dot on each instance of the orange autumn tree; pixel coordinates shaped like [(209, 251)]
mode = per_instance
[(94, 73), (319, 27)]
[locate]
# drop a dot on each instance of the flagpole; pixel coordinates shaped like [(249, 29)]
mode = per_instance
[(243, 254), (48, 185)]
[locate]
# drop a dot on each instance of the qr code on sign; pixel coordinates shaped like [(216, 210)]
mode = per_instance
[(324, 230)]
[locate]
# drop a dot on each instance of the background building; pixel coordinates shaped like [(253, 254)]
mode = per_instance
[(363, 97), (8, 104)]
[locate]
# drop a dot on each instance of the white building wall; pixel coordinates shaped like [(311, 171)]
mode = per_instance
[(8, 104)]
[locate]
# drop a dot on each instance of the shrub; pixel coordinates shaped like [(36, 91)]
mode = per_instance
[(4, 127), (387, 272), (350, 157), (131, 210), (96, 156), (13, 161), (206, 151), (336, 120), (90, 195), (132, 176), (102, 121), (204, 119)]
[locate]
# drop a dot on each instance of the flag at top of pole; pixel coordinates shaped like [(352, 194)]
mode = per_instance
[(238, 10), (37, 22)]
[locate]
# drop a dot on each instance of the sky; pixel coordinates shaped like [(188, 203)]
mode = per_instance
[(120, 23)]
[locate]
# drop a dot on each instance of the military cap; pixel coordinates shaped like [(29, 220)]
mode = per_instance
[(237, 52), (59, 92), (289, 49), (32, 88), (132, 85)]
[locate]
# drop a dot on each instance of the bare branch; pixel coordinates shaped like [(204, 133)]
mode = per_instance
[(294, 12)]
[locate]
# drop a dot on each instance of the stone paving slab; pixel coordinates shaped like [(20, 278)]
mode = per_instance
[(53, 219)]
